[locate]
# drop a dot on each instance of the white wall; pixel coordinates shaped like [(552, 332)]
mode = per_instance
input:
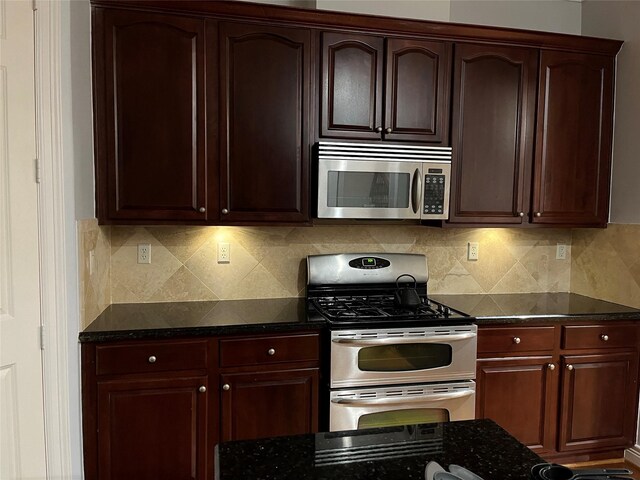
[(619, 19), (437, 10), (547, 15)]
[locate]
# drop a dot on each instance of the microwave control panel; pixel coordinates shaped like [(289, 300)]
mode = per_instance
[(434, 192)]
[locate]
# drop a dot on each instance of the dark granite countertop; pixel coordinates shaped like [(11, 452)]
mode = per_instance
[(174, 319), (539, 307), (384, 453)]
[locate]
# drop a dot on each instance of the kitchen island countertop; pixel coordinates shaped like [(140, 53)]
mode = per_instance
[(390, 453)]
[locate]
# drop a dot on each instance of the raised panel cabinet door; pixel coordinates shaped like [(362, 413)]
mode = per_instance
[(269, 404), (150, 117), (417, 91), (265, 80), (151, 429), (599, 401), (352, 67), (573, 139), (520, 395), (494, 97)]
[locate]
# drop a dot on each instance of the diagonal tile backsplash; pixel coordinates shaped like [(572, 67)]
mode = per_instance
[(269, 262)]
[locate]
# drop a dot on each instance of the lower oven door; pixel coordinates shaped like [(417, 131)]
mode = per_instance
[(355, 409)]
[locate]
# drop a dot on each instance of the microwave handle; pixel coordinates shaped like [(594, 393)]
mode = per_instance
[(416, 193), (397, 340), (437, 397)]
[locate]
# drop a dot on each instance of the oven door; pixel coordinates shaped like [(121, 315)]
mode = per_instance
[(406, 405), (402, 355), (369, 189)]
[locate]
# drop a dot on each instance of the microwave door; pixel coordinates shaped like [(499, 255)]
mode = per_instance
[(369, 189)]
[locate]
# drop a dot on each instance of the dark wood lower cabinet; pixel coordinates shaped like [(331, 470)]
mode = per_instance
[(599, 400), (520, 395), (152, 429), (569, 392), (267, 404)]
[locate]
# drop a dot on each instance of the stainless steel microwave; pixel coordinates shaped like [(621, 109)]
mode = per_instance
[(382, 181)]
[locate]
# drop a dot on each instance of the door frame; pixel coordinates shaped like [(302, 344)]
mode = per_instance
[(57, 282)]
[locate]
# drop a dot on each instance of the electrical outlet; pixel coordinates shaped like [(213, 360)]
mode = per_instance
[(561, 251), (144, 253), (472, 250), (224, 253)]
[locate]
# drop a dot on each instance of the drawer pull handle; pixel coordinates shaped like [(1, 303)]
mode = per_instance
[(271, 351), (152, 359), (516, 340), (569, 367), (551, 366), (202, 389), (226, 387), (604, 338)]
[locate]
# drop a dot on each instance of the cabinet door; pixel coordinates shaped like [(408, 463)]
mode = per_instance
[(149, 100), (417, 91), (520, 395), (492, 133), (598, 401), (352, 85), (265, 80), (150, 429), (268, 404), (573, 139)]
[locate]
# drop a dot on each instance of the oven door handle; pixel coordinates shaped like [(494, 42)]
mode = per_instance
[(416, 190), (354, 342), (402, 399)]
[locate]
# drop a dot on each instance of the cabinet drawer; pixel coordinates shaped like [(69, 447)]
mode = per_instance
[(149, 357), (599, 336), (268, 350), (515, 339)]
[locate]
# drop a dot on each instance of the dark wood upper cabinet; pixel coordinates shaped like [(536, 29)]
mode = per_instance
[(352, 67), (493, 115), (265, 80), (150, 116), (573, 139), (411, 104)]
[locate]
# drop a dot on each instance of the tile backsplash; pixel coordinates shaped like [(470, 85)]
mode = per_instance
[(606, 263), (269, 262)]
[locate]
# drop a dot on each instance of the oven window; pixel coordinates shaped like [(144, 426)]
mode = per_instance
[(368, 189), (411, 416), (404, 357)]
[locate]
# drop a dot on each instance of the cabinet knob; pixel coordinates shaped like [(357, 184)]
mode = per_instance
[(569, 367), (202, 209), (389, 130), (226, 387), (604, 338), (202, 389), (271, 351), (378, 129), (521, 214), (225, 211), (538, 214), (516, 340), (152, 359), (551, 366)]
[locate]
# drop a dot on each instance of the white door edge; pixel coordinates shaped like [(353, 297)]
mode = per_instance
[(54, 257), (632, 455)]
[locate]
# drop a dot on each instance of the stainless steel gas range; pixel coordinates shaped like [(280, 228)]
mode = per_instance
[(396, 357)]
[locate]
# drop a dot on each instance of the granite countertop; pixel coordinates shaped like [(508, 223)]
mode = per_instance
[(388, 453), (173, 319), (539, 307)]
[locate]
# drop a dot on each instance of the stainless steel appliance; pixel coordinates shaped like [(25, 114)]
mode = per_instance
[(390, 364), (382, 181)]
